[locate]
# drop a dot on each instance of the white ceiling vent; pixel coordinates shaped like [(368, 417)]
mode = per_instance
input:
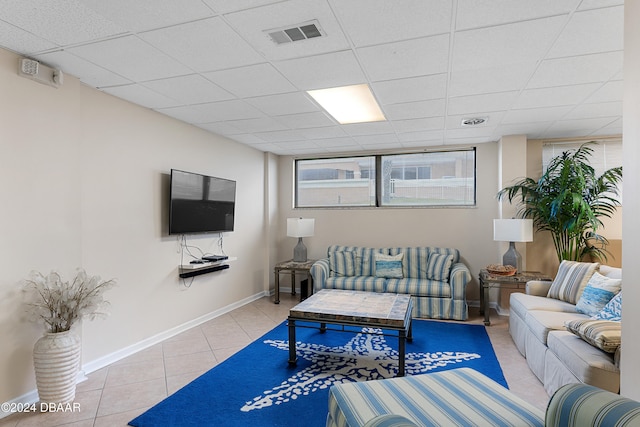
[(475, 121), (308, 30)]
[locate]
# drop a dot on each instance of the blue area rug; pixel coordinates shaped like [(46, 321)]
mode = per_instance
[(257, 387)]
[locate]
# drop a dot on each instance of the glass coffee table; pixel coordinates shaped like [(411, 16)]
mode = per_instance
[(385, 311)]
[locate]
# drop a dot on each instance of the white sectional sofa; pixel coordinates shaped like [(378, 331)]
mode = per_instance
[(538, 326)]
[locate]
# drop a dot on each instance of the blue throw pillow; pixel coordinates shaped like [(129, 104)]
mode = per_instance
[(611, 311), (389, 266), (598, 292)]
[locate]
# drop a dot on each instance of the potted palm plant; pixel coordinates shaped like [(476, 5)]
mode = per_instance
[(569, 201), (59, 304)]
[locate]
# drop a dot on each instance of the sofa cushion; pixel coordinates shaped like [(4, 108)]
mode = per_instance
[(598, 292), (419, 287), (520, 304), (586, 362), (416, 259), (604, 334), (540, 322), (611, 311), (342, 263), (439, 267), (365, 257), (571, 279), (357, 283), (389, 266)]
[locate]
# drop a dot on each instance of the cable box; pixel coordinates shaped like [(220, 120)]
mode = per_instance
[(214, 258)]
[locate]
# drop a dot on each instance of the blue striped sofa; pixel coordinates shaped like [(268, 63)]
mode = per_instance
[(438, 289), (465, 397)]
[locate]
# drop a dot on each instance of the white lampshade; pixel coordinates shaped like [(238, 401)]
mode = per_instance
[(300, 227), (513, 230)]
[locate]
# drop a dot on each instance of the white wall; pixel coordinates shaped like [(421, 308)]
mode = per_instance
[(470, 230), (84, 182), (630, 380)]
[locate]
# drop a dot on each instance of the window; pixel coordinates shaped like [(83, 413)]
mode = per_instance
[(606, 154), (444, 178)]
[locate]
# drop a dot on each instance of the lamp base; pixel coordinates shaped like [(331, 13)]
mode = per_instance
[(300, 252), (512, 257)]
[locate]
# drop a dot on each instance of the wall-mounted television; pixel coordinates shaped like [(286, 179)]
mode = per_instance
[(201, 203)]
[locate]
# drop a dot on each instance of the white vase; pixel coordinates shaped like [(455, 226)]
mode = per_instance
[(56, 357)]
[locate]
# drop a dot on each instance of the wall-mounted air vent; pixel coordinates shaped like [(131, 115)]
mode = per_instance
[(308, 30)]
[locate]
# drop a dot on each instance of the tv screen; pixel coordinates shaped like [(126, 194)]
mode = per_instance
[(200, 203)]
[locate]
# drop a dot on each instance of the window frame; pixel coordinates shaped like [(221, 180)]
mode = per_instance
[(378, 182)]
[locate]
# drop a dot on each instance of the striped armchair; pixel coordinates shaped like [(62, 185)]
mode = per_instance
[(435, 277)]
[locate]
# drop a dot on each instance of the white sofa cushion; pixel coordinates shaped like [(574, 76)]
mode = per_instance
[(542, 322), (523, 303)]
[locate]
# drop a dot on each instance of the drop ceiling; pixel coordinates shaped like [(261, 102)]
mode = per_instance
[(544, 68)]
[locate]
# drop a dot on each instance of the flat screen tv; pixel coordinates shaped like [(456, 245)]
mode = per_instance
[(200, 203)]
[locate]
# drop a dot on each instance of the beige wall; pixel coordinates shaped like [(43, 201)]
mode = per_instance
[(84, 180), (468, 229)]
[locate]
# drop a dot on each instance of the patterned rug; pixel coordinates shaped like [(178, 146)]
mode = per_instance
[(257, 387)]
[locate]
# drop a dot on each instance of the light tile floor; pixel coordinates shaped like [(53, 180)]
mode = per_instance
[(114, 395)]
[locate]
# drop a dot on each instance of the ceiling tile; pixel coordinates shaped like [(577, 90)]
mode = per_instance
[(22, 41), (288, 103), (280, 136), (141, 95), (478, 103), (512, 43), (603, 109), (487, 80), (555, 96), (370, 22), (142, 15), (62, 22), (410, 58), (205, 45), (574, 128), (388, 138), (251, 24), (576, 69), (323, 71), (415, 110), (261, 124), (213, 112), (411, 137), (492, 120), (433, 123), (373, 128), (191, 89), (475, 13), (592, 31), (252, 80), (92, 74), (225, 6), (411, 89), (535, 115), (532, 130), (610, 91), (307, 120), (323, 132), (596, 4), (223, 128), (131, 58)]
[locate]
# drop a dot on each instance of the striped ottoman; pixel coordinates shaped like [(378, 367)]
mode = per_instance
[(457, 397)]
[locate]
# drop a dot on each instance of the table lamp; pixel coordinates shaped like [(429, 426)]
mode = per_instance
[(300, 227), (512, 230)]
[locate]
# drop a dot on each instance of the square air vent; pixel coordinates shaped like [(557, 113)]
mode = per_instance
[(295, 33)]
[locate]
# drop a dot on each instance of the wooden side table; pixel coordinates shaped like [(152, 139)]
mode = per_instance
[(292, 267), (517, 281)]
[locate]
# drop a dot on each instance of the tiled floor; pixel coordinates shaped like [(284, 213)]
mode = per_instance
[(118, 393)]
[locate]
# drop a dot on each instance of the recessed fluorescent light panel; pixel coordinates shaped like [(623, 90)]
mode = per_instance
[(349, 104)]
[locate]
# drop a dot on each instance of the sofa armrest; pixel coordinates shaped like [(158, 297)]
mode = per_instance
[(537, 287), (458, 278), (390, 420), (586, 405), (320, 271)]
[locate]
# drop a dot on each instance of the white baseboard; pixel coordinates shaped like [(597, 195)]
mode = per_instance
[(32, 396)]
